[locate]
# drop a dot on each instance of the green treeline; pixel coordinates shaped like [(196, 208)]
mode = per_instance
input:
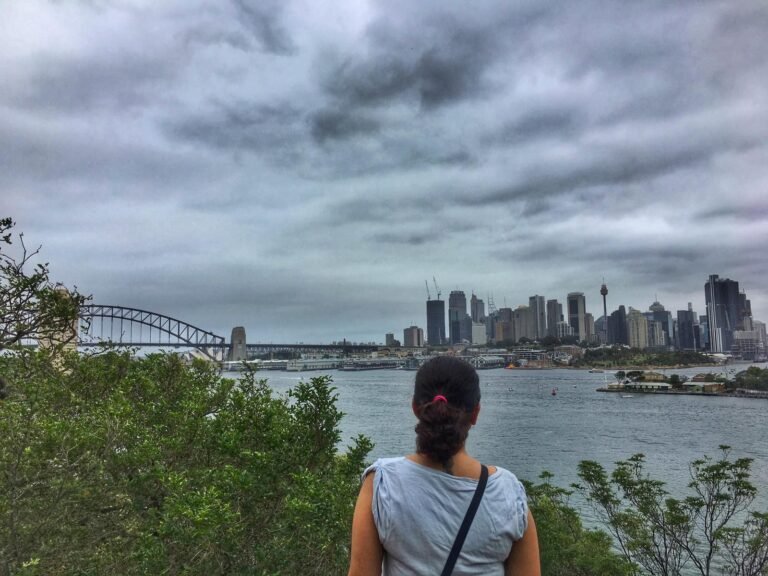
[(618, 356), (113, 464)]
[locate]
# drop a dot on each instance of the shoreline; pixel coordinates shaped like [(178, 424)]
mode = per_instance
[(681, 393)]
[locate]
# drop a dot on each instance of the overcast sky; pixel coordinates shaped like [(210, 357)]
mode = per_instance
[(301, 167)]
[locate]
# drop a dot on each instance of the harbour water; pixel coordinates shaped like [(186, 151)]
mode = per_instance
[(524, 428)]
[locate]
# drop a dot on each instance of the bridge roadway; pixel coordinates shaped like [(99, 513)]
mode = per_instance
[(251, 348)]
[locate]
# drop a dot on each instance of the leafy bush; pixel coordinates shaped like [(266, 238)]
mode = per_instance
[(113, 464)]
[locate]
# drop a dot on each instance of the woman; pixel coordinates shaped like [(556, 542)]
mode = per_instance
[(410, 508)]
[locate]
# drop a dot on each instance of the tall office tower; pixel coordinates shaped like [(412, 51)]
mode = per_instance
[(477, 309), (589, 327), (745, 313), (457, 309), (522, 323), (466, 328), (503, 329), (617, 327), (436, 322), (554, 315), (656, 336), (723, 312), (237, 346), (688, 330), (637, 329), (413, 337), (657, 313), (389, 340), (704, 332), (577, 310), (538, 316)]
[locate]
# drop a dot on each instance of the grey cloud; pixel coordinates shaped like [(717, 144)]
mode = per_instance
[(330, 124), (438, 61), (271, 128), (262, 18)]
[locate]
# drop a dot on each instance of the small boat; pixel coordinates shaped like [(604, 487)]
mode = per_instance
[(554, 391), (596, 371), (627, 396)]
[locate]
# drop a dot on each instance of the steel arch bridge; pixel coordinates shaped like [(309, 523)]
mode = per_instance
[(133, 327)]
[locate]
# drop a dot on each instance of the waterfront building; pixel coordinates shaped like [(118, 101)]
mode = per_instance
[(723, 311), (637, 329), (413, 337), (554, 316), (577, 310), (237, 345), (538, 316), (436, 322), (457, 309)]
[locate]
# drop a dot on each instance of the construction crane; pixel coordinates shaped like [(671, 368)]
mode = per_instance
[(437, 289), (429, 296)]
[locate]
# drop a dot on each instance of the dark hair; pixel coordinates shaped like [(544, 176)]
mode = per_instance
[(443, 426)]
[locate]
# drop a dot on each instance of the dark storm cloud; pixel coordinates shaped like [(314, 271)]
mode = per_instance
[(447, 67)]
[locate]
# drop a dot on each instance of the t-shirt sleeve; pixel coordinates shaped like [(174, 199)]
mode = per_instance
[(379, 501), (521, 506)]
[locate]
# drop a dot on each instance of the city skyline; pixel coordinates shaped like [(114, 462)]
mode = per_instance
[(300, 171)]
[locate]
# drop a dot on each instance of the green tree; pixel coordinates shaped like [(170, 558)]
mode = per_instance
[(119, 465), (566, 547), (31, 305), (710, 531)]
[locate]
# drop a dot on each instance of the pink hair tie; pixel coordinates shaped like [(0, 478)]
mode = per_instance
[(440, 398)]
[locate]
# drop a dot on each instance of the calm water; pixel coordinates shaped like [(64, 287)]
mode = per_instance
[(524, 428)]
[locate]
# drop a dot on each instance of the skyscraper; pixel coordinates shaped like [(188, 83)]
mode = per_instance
[(457, 309), (436, 322), (538, 316), (577, 311), (554, 315), (413, 337), (688, 330), (477, 309), (637, 329), (723, 314), (617, 327)]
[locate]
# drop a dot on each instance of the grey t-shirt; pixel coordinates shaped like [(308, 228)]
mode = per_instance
[(418, 512)]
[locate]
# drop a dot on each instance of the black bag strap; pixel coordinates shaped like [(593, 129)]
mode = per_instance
[(462, 535)]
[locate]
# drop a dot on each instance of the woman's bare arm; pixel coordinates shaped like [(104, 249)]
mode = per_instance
[(523, 560), (367, 552)]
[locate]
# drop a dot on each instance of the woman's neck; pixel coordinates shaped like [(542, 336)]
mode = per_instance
[(460, 464)]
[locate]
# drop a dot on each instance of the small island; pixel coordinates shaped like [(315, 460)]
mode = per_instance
[(749, 383)]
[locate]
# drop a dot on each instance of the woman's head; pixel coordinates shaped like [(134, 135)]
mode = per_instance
[(445, 400)]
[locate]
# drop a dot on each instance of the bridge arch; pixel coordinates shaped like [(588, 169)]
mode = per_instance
[(161, 330)]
